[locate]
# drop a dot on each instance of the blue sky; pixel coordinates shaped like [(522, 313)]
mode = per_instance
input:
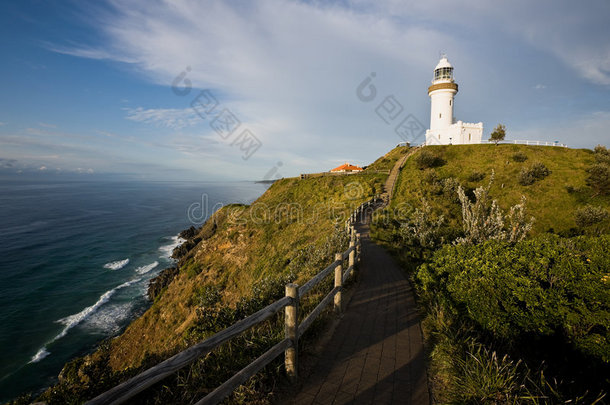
[(87, 85)]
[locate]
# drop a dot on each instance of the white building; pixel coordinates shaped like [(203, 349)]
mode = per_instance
[(444, 130)]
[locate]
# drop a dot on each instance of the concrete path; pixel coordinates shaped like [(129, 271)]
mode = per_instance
[(376, 354)]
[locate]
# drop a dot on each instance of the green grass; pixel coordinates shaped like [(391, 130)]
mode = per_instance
[(387, 161), (547, 200)]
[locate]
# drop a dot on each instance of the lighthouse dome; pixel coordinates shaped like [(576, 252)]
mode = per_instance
[(443, 63)]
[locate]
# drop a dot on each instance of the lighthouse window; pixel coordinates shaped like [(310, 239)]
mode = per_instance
[(449, 102), (439, 115), (443, 73)]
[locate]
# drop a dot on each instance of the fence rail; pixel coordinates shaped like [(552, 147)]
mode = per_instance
[(514, 142), (528, 142), (289, 346)]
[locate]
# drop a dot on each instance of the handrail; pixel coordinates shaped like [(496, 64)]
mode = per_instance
[(304, 289), (137, 384), (238, 379), (303, 326), (140, 382)]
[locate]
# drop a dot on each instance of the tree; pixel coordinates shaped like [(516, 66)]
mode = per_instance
[(498, 134)]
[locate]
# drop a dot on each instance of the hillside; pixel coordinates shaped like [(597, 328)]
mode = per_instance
[(236, 263), (523, 320), (552, 201)]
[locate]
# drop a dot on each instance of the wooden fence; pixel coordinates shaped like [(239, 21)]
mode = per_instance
[(292, 328)]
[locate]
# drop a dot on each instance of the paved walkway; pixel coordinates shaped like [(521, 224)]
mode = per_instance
[(376, 353), (390, 182)]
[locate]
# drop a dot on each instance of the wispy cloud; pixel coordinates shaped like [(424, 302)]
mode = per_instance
[(164, 117)]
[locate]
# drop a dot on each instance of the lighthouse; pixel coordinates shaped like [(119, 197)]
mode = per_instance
[(444, 130)]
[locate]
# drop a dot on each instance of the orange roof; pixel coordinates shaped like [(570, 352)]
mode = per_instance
[(346, 168)]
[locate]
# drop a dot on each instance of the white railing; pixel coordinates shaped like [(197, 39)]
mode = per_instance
[(511, 141), (528, 142)]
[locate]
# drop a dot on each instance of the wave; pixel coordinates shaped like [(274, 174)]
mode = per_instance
[(110, 318), (166, 250), (147, 268), (40, 354), (119, 264), (73, 320)]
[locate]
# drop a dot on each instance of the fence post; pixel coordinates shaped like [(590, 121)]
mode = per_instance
[(358, 247), (338, 281), (352, 254), (291, 330)]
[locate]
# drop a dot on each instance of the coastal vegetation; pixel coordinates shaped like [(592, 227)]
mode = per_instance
[(510, 262)]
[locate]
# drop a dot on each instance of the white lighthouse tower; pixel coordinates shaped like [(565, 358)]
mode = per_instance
[(444, 130)]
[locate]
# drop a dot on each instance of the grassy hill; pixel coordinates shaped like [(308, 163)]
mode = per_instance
[(508, 322), (552, 201), (235, 264)]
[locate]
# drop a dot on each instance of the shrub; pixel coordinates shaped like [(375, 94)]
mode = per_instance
[(476, 176), (450, 189), (483, 219), (519, 157), (590, 215), (427, 160), (535, 172), (602, 155), (599, 178), (544, 286), (424, 227)]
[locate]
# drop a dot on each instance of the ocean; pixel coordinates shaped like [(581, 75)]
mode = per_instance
[(75, 261)]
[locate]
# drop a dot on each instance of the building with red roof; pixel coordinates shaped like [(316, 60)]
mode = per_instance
[(346, 168)]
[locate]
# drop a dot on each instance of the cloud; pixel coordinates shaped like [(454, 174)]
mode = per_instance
[(575, 35), (47, 125), (8, 163), (2, 124), (289, 69), (164, 117)]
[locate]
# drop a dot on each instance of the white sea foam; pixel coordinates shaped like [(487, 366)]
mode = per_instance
[(147, 268), (110, 318), (166, 250), (41, 354), (119, 264), (73, 320)]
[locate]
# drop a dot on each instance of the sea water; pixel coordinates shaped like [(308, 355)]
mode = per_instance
[(75, 261)]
